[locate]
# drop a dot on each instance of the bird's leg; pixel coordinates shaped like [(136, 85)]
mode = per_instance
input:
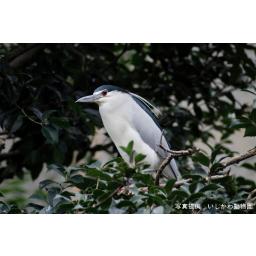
[(162, 147)]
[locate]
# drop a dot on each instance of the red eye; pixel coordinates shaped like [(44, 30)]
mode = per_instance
[(104, 93)]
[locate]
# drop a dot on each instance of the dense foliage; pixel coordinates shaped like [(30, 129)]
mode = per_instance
[(193, 84)]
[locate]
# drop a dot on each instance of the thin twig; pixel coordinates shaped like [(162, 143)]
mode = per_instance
[(29, 117), (250, 197), (237, 159), (217, 177)]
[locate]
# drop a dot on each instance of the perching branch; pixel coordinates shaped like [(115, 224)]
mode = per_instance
[(172, 154), (186, 152), (237, 159)]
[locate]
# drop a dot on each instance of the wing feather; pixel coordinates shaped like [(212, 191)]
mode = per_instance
[(154, 136)]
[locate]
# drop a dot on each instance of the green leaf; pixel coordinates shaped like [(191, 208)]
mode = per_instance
[(17, 124), (58, 168), (240, 123), (47, 183), (126, 204), (51, 134), (179, 194), (98, 174), (195, 197), (4, 208), (249, 166), (64, 207), (250, 131), (67, 194), (61, 122), (210, 187), (38, 113), (202, 159), (253, 115), (169, 185), (77, 179), (139, 158), (128, 149), (37, 207), (215, 166), (52, 192), (245, 90), (47, 114)]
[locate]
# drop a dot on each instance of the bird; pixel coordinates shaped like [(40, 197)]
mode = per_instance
[(128, 117)]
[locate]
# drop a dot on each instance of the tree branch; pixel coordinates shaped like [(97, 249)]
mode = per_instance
[(172, 154), (23, 55), (250, 197), (179, 183), (191, 151), (237, 159)]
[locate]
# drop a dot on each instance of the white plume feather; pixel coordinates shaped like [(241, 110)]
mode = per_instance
[(154, 110)]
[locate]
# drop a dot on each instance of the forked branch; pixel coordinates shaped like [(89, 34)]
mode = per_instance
[(223, 165), (171, 155)]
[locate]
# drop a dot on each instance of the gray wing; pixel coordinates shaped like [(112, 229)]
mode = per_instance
[(151, 132)]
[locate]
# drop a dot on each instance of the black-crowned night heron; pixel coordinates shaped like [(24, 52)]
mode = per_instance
[(128, 117)]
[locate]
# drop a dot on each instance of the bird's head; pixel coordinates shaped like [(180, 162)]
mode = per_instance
[(103, 94), (113, 97)]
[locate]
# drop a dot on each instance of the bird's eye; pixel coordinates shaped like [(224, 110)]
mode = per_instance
[(104, 93)]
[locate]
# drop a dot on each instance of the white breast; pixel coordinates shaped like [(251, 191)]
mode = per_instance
[(117, 120)]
